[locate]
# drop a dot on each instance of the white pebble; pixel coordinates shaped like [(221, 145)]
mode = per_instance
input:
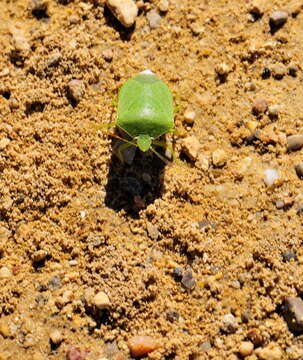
[(125, 11), (5, 273), (270, 176), (101, 300)]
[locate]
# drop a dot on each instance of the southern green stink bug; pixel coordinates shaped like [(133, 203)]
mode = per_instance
[(145, 112)]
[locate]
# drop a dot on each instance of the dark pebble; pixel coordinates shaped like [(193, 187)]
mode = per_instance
[(299, 170), (294, 142), (55, 282), (177, 273)]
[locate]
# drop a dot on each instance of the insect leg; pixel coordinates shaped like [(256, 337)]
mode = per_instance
[(165, 146)]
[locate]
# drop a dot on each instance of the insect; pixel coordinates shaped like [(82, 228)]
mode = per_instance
[(145, 112)]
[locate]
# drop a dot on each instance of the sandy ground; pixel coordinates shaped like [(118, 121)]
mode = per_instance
[(201, 254)]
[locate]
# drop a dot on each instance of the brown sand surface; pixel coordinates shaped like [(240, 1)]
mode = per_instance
[(201, 254)]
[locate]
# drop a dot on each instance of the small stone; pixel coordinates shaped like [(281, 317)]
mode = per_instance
[(219, 158), (278, 71), (4, 142), (270, 176), (289, 255), (191, 147), (5, 273), (205, 346), (74, 353), (189, 116), (76, 89), (152, 231), (101, 300), (55, 282), (154, 19), (273, 111), (299, 170), (293, 313), (4, 329), (246, 348), (141, 345), (39, 255), (188, 281), (108, 54), (271, 352), (163, 5), (252, 125), (38, 6), (172, 315), (294, 142), (56, 337), (177, 273), (4, 72), (255, 337), (125, 11), (229, 323), (222, 69), (280, 204), (202, 162), (259, 106), (278, 18), (54, 59)]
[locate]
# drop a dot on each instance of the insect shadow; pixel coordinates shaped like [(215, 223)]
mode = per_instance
[(132, 187)]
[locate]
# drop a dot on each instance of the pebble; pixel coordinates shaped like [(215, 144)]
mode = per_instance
[(229, 323), (56, 337), (5, 273), (278, 71), (246, 348), (4, 142), (74, 353), (202, 162), (189, 116), (259, 106), (188, 281), (219, 158), (4, 329), (125, 11), (294, 142), (222, 69), (76, 89), (55, 282), (39, 255), (191, 147), (280, 204), (278, 18), (270, 352), (270, 176), (178, 273), (172, 315), (293, 313), (154, 19), (299, 170), (205, 346), (289, 255), (108, 54), (163, 5), (255, 336), (38, 6), (101, 300), (141, 345), (152, 231), (54, 59), (273, 111)]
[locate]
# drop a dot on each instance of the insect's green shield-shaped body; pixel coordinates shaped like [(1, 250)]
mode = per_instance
[(145, 108)]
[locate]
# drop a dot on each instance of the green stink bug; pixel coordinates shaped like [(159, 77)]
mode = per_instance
[(145, 112)]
